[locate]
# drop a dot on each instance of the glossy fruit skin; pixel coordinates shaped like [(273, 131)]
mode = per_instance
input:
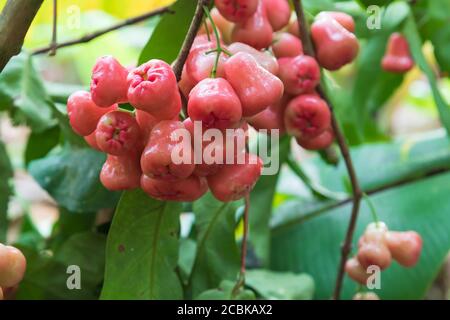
[(146, 123), (157, 161), (272, 117), (237, 10), (153, 88), (200, 63), (189, 189), (278, 13), (224, 26), (307, 116), (342, 18), (117, 133), (300, 74), (321, 142), (397, 58), (264, 59), (83, 113), (293, 28), (12, 266), (256, 87), (214, 102), (91, 140), (235, 181), (256, 31), (335, 45), (286, 45), (109, 82), (355, 271), (405, 247), (121, 172), (372, 248)]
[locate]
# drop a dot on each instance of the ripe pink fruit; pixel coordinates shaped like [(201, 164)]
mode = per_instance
[(200, 63), (356, 271), (293, 28), (405, 247), (146, 123), (286, 45), (256, 87), (374, 253), (109, 82), (121, 172), (300, 74), (272, 117), (323, 141), (278, 13), (12, 266), (264, 59), (398, 57), (342, 18), (91, 140), (224, 26), (237, 10)]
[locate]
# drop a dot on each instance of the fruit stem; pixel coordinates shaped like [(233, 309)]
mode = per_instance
[(207, 30), (241, 280), (372, 208)]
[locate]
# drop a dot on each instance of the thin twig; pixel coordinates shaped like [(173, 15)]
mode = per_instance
[(356, 189), (241, 280), (190, 37), (90, 36), (54, 42)]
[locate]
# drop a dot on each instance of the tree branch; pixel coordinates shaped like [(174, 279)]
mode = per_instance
[(15, 20), (189, 40), (356, 189), (90, 36)]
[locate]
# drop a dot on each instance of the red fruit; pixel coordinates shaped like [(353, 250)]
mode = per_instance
[(256, 31), (91, 140), (224, 26), (109, 82), (202, 40), (186, 83), (272, 117), (405, 247), (256, 87), (166, 141), (398, 57), (264, 59), (342, 18), (214, 102), (12, 266), (307, 116), (117, 133), (189, 189), (83, 113), (235, 181), (287, 45), (146, 123), (335, 45), (320, 142), (278, 13), (356, 271), (300, 74), (121, 172), (374, 253), (294, 29), (237, 10), (154, 89), (200, 63)]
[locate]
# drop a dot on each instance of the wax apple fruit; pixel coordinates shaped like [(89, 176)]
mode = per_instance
[(286, 45), (321, 142), (83, 113), (12, 266), (237, 10), (300, 74), (356, 271), (256, 87), (200, 63), (278, 12), (264, 59), (397, 58), (121, 172), (372, 248), (405, 247), (109, 82), (342, 18)]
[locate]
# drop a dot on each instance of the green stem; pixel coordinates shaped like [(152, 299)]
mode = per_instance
[(372, 208), (207, 30)]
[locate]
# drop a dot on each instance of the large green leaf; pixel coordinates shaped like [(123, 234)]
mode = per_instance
[(311, 244), (142, 250), (71, 178), (169, 34), (226, 292), (5, 190), (217, 255), (40, 143), (22, 93)]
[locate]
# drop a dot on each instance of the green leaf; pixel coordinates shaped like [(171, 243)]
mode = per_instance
[(225, 292), (22, 93), (6, 174), (261, 199), (71, 177), (415, 43), (186, 258), (29, 235), (312, 244), (40, 143), (217, 253), (272, 285), (142, 250), (169, 34)]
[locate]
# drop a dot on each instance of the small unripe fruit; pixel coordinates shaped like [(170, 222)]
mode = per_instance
[(91, 140), (200, 63), (300, 74), (153, 88), (235, 181), (264, 59), (237, 10), (214, 102), (397, 58), (189, 189), (321, 142), (109, 82), (12, 266), (335, 45), (405, 247), (287, 45), (256, 31), (117, 133), (355, 271), (374, 253), (342, 18), (366, 296), (121, 172), (307, 116), (256, 87), (278, 13), (83, 113), (146, 123)]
